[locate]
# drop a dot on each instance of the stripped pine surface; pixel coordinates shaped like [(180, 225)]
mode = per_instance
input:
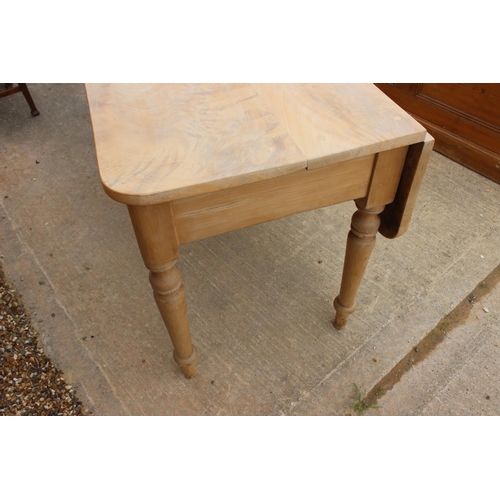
[(161, 142)]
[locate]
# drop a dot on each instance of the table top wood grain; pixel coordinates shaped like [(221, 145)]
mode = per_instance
[(161, 142)]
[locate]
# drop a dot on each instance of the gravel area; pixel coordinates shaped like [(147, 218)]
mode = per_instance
[(30, 384)]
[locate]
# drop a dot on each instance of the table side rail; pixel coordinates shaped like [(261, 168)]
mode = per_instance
[(233, 208)]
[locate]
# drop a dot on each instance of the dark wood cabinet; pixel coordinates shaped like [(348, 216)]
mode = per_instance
[(463, 118)]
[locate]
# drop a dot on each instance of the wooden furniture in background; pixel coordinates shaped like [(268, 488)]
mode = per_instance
[(21, 87), (193, 161), (464, 118)]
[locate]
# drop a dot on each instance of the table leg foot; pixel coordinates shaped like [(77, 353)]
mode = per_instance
[(342, 313), (188, 365), (360, 243)]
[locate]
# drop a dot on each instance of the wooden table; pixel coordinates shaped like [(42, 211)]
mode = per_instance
[(192, 161)]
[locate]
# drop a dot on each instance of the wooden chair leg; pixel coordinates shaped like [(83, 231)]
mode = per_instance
[(27, 96), (360, 243), (155, 232)]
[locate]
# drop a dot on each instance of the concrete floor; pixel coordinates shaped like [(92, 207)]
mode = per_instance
[(461, 376), (260, 301)]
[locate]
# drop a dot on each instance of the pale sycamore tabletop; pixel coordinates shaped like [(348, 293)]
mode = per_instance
[(162, 142)]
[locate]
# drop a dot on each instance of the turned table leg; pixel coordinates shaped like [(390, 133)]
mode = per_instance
[(155, 232), (360, 243)]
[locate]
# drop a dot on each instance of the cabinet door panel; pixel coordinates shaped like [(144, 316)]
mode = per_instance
[(463, 118), (465, 101)]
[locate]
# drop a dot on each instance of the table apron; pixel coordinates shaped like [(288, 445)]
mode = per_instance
[(249, 204)]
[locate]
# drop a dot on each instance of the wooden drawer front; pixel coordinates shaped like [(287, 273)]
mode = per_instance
[(229, 209)]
